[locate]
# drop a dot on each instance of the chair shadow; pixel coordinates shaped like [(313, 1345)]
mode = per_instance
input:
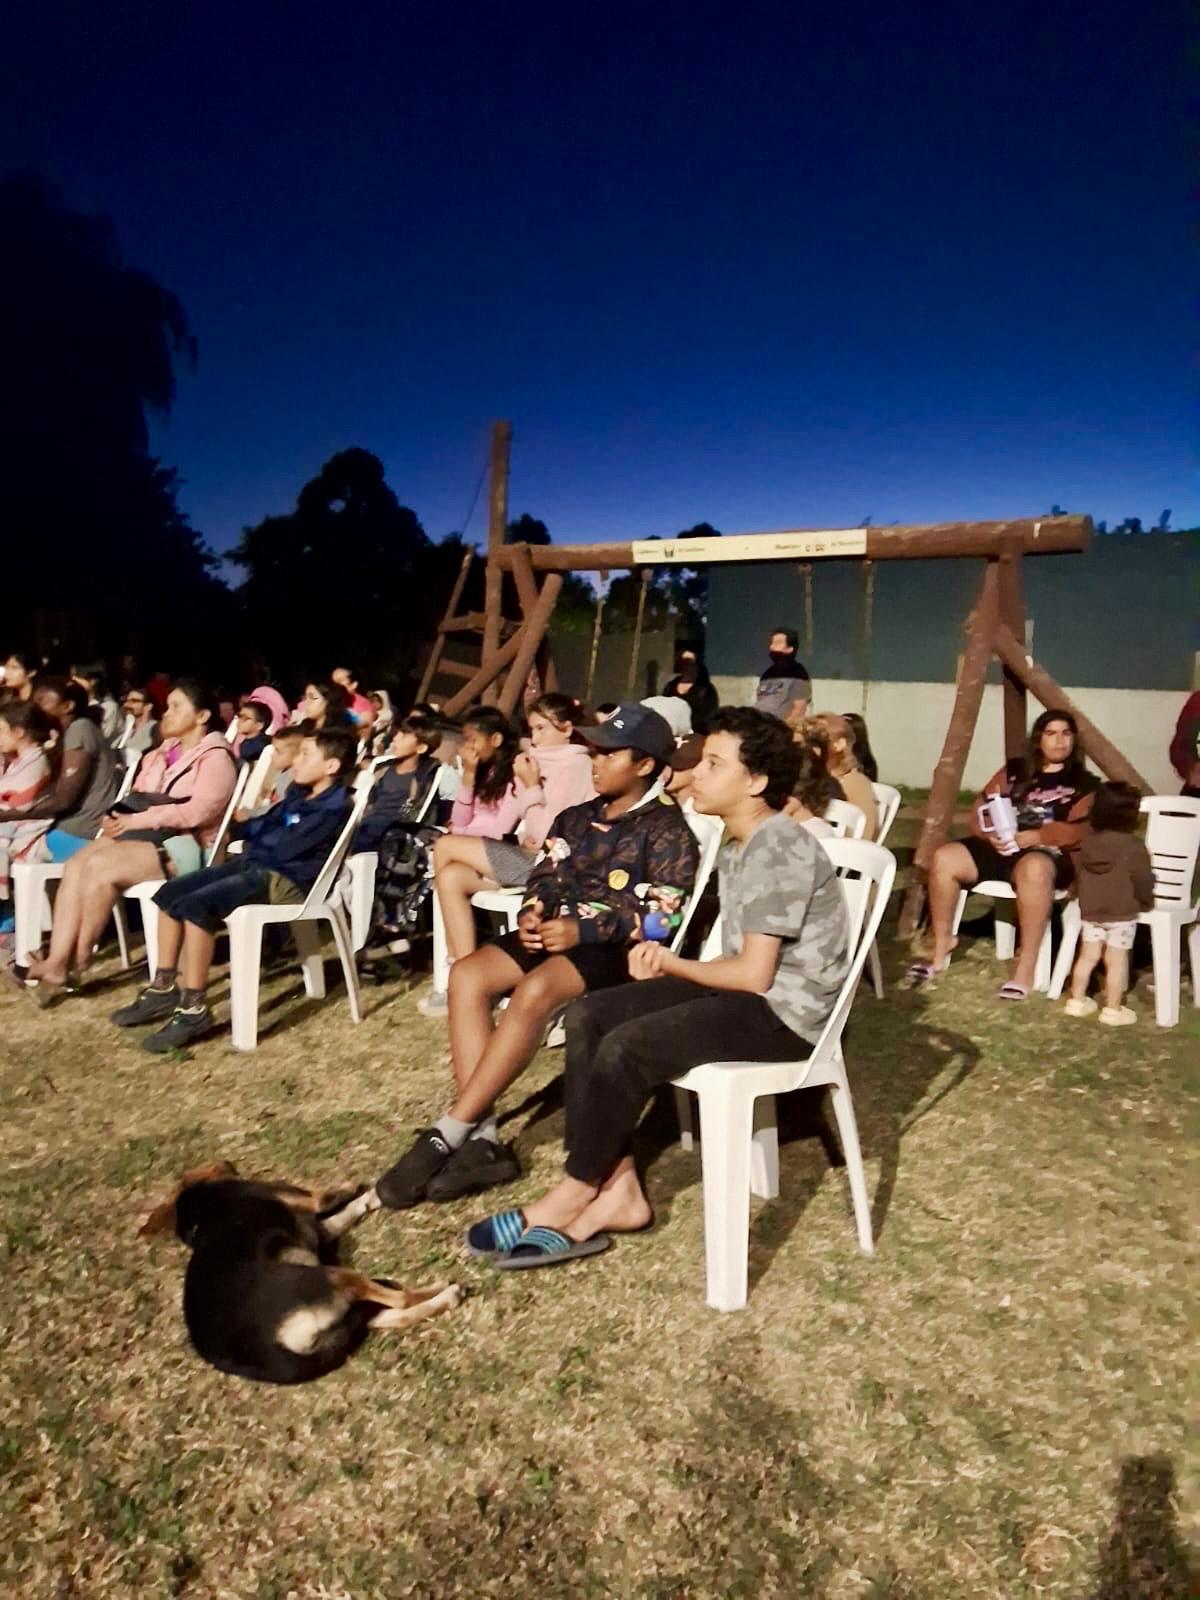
[(1143, 1557)]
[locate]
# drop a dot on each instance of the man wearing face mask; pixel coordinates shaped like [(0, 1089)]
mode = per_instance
[(785, 688)]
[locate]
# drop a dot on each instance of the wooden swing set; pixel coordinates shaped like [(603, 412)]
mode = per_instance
[(510, 649)]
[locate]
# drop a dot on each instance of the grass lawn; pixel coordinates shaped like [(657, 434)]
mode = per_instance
[(991, 1406)]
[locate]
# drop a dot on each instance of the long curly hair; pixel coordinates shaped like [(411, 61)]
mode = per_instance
[(494, 777)]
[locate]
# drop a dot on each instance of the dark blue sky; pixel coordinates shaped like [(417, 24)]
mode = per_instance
[(762, 265)]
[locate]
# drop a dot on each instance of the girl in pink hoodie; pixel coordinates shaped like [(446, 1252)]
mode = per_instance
[(193, 773), (478, 853)]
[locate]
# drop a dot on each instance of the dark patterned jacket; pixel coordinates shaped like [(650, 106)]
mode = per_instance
[(625, 880)]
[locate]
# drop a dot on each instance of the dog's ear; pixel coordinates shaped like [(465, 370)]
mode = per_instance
[(162, 1218)]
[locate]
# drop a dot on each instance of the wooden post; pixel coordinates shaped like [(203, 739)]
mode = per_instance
[(1012, 615), (947, 775), (439, 644), (631, 684), (532, 633), (493, 594), (526, 583), (1106, 756), (487, 674)]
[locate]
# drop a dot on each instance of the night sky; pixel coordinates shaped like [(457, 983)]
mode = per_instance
[(760, 265)]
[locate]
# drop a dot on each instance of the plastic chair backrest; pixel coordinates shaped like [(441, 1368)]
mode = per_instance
[(866, 893), (709, 832), (1173, 840), (231, 731), (849, 820), (327, 877), (127, 779), (256, 780), (887, 801), (218, 844)]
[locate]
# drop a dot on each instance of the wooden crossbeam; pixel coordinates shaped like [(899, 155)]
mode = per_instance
[(533, 632)]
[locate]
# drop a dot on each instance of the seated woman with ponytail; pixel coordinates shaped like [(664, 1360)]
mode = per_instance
[(171, 817), (501, 789)]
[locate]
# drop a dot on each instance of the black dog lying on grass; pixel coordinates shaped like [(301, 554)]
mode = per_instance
[(263, 1297)]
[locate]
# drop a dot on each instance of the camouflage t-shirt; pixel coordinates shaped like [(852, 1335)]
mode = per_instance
[(782, 883)]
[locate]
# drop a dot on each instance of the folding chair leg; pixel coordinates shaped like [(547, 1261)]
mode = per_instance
[(245, 965), (959, 908), (685, 1116), (341, 938), (764, 1150), (31, 912), (312, 964), (122, 934), (1068, 944), (726, 1118), (1194, 959), (1164, 938), (843, 1110), (876, 970)]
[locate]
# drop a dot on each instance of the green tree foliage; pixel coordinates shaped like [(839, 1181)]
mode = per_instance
[(92, 525)]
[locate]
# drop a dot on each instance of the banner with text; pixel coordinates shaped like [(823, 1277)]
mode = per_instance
[(796, 544)]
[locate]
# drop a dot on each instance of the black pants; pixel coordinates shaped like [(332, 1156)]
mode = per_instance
[(623, 1043)]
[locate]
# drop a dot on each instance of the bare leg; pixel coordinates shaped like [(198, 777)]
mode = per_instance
[(460, 870), (517, 1035), (68, 905), (951, 871), (580, 1211), (116, 867), (476, 982), (170, 942), (1033, 881), (196, 963), (1116, 977), (1085, 965)]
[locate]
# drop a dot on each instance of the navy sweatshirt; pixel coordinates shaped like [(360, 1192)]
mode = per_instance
[(295, 836)]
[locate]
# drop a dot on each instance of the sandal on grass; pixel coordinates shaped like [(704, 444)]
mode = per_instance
[(1012, 991), (546, 1247), (922, 974), (494, 1235)]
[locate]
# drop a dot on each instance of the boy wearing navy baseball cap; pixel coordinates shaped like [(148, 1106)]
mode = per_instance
[(612, 872)]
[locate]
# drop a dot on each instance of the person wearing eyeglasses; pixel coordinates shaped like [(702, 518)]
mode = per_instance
[(140, 729)]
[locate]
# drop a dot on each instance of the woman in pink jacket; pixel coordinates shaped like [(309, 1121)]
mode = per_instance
[(185, 787), (526, 790)]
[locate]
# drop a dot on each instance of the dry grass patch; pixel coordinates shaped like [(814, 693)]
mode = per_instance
[(989, 1407)]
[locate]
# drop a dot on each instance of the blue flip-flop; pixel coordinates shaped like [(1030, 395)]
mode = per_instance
[(494, 1235), (546, 1247)]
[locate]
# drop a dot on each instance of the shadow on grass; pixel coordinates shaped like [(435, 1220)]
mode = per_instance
[(1142, 1557)]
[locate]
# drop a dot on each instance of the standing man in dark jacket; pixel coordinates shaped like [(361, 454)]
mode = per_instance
[(785, 688), (284, 852)]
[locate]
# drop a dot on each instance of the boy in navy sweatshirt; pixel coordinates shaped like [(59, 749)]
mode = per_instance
[(284, 852)]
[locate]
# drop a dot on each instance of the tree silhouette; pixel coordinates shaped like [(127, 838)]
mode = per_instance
[(527, 530), (349, 575), (95, 541)]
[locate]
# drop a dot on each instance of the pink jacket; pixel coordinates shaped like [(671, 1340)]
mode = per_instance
[(566, 781), (487, 819), (203, 777)]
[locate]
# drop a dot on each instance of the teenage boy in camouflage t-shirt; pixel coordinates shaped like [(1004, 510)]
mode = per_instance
[(784, 957)]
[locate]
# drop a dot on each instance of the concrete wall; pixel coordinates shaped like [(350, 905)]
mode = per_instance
[(572, 651), (907, 723)]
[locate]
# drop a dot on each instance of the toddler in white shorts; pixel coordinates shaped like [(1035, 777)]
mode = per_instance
[(1115, 882)]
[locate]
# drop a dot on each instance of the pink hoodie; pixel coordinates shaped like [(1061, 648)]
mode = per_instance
[(487, 819), (566, 771), (203, 777)]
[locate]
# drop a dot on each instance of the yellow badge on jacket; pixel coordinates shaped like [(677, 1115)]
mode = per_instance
[(618, 878)]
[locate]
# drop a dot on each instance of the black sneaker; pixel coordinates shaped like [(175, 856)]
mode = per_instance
[(478, 1164), (405, 1183), (152, 1005), (183, 1027)]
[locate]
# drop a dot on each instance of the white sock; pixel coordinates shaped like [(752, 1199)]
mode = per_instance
[(486, 1128), (453, 1131)]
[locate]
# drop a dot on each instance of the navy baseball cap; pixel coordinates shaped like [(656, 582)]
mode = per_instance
[(633, 727)]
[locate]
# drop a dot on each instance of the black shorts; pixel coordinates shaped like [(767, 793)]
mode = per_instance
[(599, 965), (990, 864)]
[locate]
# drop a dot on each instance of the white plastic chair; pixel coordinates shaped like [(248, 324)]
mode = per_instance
[(321, 904), (358, 885), (145, 891), (33, 913), (256, 781), (740, 1142), (848, 821), (1006, 925), (887, 802), (1173, 840)]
